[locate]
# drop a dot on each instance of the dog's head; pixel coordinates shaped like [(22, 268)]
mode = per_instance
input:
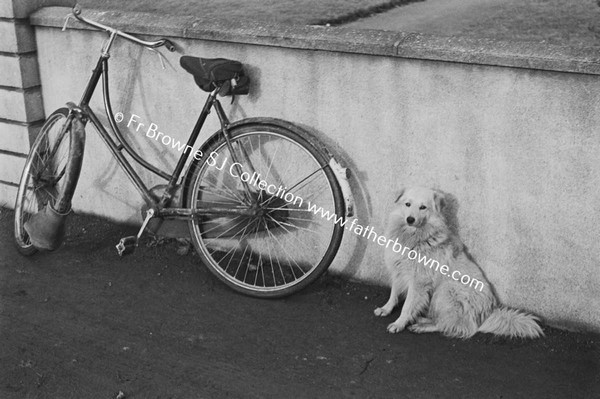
[(418, 207), (423, 215)]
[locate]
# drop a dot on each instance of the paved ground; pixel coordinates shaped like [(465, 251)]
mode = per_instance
[(558, 22), (82, 323), (432, 16)]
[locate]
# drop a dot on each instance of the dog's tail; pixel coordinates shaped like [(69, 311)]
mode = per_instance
[(511, 323)]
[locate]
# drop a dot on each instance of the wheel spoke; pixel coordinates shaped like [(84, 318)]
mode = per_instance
[(43, 178), (281, 245)]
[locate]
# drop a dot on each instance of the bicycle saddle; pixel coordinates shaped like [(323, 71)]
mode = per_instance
[(211, 72)]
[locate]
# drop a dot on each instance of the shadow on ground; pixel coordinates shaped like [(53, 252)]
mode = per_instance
[(82, 323)]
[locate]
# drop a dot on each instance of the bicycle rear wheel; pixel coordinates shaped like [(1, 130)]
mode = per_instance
[(50, 174), (265, 230)]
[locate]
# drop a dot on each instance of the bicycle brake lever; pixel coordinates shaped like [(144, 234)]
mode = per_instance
[(69, 15), (160, 57)]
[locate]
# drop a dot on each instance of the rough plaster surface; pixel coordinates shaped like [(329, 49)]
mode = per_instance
[(518, 149)]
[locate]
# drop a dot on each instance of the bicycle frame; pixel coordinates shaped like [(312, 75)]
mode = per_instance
[(161, 207), (116, 147)]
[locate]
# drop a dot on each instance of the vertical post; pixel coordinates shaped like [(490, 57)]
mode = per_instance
[(21, 107)]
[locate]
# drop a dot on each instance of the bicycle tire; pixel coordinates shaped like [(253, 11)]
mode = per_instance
[(262, 255), (50, 173)]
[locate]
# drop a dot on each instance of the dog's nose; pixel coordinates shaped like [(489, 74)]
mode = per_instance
[(410, 220)]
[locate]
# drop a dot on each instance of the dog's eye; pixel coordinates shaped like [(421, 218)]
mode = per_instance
[(407, 204), (422, 207)]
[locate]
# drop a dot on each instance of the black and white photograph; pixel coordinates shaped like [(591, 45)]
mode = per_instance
[(363, 199)]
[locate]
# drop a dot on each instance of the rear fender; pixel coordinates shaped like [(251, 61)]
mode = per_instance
[(342, 174)]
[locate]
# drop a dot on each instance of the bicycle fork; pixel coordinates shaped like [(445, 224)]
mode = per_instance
[(46, 228)]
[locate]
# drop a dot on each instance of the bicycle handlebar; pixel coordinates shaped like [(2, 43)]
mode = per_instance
[(76, 12)]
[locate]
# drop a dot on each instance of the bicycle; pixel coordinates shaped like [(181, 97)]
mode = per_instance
[(249, 236)]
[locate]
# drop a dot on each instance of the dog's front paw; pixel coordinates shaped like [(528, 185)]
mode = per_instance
[(395, 327), (382, 311)]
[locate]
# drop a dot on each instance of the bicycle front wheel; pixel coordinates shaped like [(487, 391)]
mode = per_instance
[(50, 174), (269, 203)]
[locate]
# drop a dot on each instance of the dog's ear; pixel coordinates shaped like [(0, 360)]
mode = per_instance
[(439, 199), (399, 194)]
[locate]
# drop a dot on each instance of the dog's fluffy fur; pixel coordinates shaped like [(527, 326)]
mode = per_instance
[(436, 302)]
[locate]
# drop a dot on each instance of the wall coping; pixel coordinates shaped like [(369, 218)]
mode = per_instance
[(479, 51)]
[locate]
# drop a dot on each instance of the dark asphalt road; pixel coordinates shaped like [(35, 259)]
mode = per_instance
[(82, 323)]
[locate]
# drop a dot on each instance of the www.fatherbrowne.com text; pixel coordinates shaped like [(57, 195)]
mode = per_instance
[(235, 169)]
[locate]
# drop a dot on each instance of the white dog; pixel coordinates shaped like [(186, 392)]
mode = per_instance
[(436, 299)]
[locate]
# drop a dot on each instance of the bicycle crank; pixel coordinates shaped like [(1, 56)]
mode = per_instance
[(128, 244)]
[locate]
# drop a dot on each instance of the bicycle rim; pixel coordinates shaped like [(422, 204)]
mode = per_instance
[(43, 178), (286, 240)]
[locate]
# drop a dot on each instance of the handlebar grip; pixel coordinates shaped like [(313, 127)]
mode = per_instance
[(169, 45)]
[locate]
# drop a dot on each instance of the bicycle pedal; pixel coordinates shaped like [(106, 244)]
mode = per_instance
[(127, 245)]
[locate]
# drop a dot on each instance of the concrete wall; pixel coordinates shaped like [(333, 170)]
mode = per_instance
[(511, 130)]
